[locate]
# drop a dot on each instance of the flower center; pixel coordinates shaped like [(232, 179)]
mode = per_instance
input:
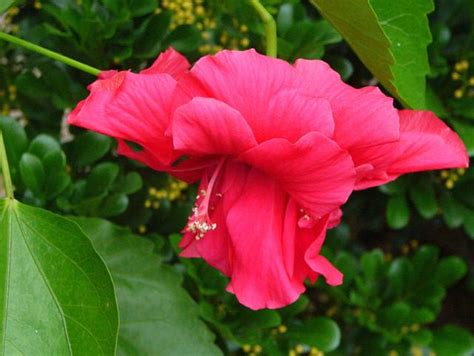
[(199, 223)]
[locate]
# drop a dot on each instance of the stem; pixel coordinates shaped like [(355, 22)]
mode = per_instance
[(7, 180), (48, 53), (270, 27)]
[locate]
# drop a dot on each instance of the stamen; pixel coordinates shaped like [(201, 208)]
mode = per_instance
[(199, 222)]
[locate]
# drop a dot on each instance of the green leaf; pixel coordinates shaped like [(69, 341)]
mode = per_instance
[(452, 211), (129, 184), (450, 270), (398, 212), (320, 332), (423, 196), (308, 39), (5, 4), (101, 179), (390, 38), (184, 38), (32, 172), (114, 205), (453, 340), (89, 148), (56, 295), (157, 316), (43, 145)]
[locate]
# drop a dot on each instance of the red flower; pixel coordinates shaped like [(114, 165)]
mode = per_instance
[(277, 149)]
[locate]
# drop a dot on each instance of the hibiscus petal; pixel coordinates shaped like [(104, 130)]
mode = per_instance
[(207, 126), (215, 246), (363, 117), (245, 80), (293, 115), (315, 171), (426, 143), (170, 62), (130, 107), (318, 263), (255, 223)]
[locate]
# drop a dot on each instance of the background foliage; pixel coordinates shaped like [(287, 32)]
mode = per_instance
[(406, 249)]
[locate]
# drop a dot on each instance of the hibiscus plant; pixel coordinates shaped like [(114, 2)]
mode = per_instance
[(213, 190)]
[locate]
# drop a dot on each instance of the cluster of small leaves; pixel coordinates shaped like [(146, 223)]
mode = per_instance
[(390, 303)]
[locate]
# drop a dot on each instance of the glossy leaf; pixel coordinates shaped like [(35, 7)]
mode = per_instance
[(32, 172), (56, 295), (5, 4), (423, 196), (453, 340), (89, 147), (320, 332), (157, 316), (390, 38), (398, 212)]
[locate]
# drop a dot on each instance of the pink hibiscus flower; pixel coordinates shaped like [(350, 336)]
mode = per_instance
[(277, 148)]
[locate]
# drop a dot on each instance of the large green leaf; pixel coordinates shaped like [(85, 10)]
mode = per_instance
[(5, 4), (390, 38), (56, 295), (157, 316)]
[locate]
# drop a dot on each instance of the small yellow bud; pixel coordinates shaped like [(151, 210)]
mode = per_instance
[(449, 184), (244, 28), (455, 76), (147, 204), (461, 171), (257, 349), (416, 351), (156, 205), (299, 349), (200, 11), (244, 42), (246, 348), (459, 93), (206, 35), (404, 329), (392, 353), (142, 229), (158, 11), (37, 5), (415, 327), (471, 81), (414, 244), (444, 174), (292, 353), (282, 329)]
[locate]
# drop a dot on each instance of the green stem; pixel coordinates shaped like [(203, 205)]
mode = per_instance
[(48, 53), (270, 27), (7, 180)]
